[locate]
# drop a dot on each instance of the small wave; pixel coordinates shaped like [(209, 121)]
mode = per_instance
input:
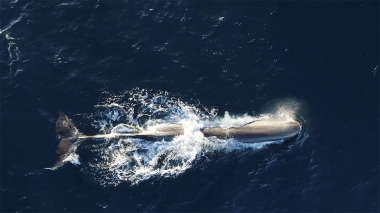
[(13, 22)]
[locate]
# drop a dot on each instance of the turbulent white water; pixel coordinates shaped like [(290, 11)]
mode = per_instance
[(134, 160)]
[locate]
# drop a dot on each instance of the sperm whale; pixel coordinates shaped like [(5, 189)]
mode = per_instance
[(271, 129)]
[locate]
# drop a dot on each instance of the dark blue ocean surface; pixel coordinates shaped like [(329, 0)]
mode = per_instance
[(110, 63)]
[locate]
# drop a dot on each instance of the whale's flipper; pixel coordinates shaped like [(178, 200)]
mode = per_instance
[(65, 127)]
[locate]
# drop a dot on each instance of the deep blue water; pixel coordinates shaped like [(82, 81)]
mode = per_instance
[(235, 56)]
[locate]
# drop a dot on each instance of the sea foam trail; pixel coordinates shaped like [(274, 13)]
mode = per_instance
[(134, 160)]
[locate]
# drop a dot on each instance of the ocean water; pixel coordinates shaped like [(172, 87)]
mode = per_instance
[(121, 66)]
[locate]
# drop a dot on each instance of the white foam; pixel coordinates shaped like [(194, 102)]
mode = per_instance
[(72, 158), (136, 160)]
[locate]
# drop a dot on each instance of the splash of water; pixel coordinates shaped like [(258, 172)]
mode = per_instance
[(134, 160)]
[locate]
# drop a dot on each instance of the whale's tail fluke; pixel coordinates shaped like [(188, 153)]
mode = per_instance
[(65, 127), (68, 133), (62, 150)]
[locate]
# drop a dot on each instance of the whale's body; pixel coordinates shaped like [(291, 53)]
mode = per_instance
[(272, 129)]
